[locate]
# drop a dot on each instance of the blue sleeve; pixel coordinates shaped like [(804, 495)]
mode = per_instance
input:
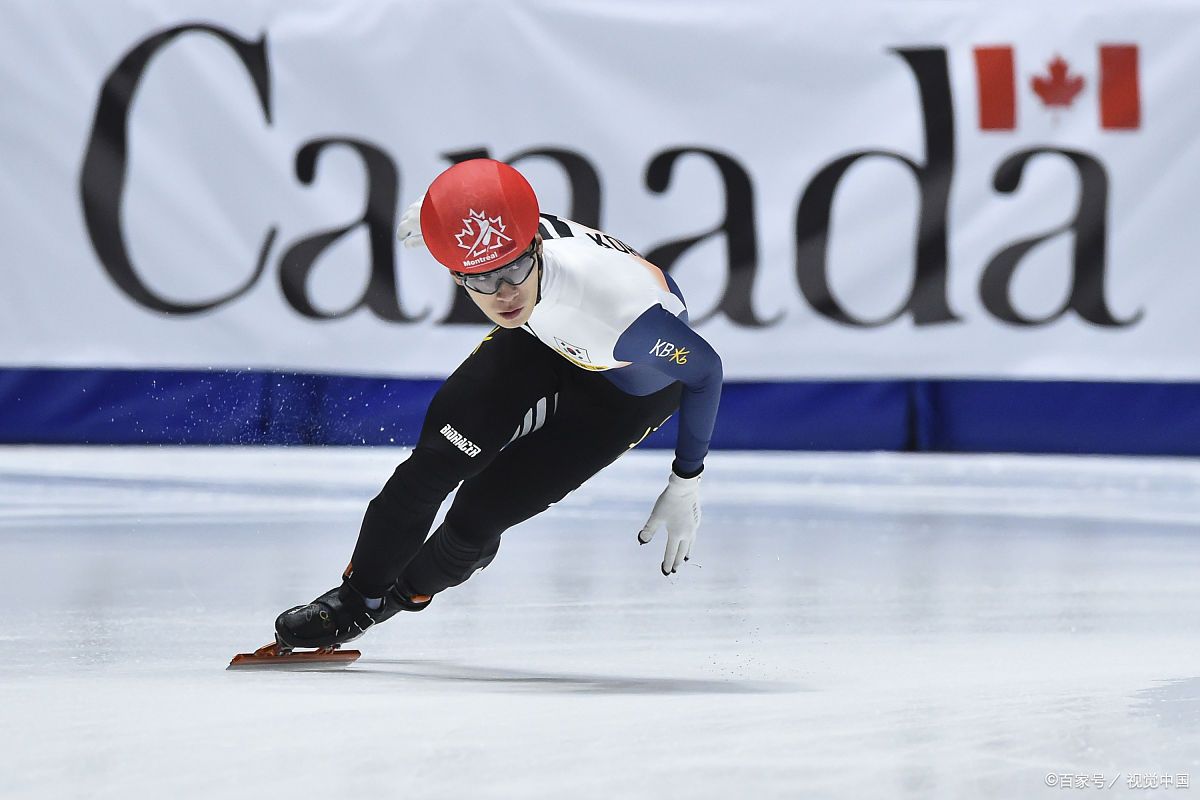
[(660, 340)]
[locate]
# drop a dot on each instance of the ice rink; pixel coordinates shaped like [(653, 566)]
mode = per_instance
[(850, 626)]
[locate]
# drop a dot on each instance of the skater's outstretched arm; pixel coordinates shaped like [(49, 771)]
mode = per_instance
[(663, 341)]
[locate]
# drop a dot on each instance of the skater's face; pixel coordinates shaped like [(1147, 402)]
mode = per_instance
[(514, 288)]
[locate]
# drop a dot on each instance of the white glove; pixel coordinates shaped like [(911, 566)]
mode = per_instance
[(409, 230), (679, 507)]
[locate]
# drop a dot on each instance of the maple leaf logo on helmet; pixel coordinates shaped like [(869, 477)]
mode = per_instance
[(481, 233), (477, 215)]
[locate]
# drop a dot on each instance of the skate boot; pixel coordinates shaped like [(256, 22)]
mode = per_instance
[(336, 617)]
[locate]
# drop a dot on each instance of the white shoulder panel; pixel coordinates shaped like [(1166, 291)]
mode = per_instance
[(593, 288)]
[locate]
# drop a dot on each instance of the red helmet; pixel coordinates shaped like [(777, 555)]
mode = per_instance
[(478, 215)]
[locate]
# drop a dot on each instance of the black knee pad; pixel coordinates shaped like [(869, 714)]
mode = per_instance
[(447, 559), (463, 552)]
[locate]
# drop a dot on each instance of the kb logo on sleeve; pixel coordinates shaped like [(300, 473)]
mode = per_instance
[(669, 351)]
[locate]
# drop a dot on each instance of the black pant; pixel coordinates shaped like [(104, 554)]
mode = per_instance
[(520, 427)]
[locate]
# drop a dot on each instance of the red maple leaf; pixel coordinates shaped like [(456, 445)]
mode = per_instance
[(1058, 87)]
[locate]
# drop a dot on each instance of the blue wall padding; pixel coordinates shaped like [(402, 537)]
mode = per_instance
[(1064, 417), (59, 406), (54, 406), (863, 415), (370, 410)]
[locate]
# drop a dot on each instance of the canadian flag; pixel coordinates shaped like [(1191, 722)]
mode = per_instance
[(1057, 86)]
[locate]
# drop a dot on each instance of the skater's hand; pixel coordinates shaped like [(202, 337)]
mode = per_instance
[(678, 507), (409, 230)]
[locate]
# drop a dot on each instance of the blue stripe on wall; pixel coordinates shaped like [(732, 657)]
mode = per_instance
[(1061, 417), (56, 406)]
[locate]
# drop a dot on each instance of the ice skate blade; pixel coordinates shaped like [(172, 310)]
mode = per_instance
[(269, 656)]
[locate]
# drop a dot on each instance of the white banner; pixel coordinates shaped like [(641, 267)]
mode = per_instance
[(923, 190)]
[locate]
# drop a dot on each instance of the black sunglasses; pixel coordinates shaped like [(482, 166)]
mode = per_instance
[(513, 273)]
